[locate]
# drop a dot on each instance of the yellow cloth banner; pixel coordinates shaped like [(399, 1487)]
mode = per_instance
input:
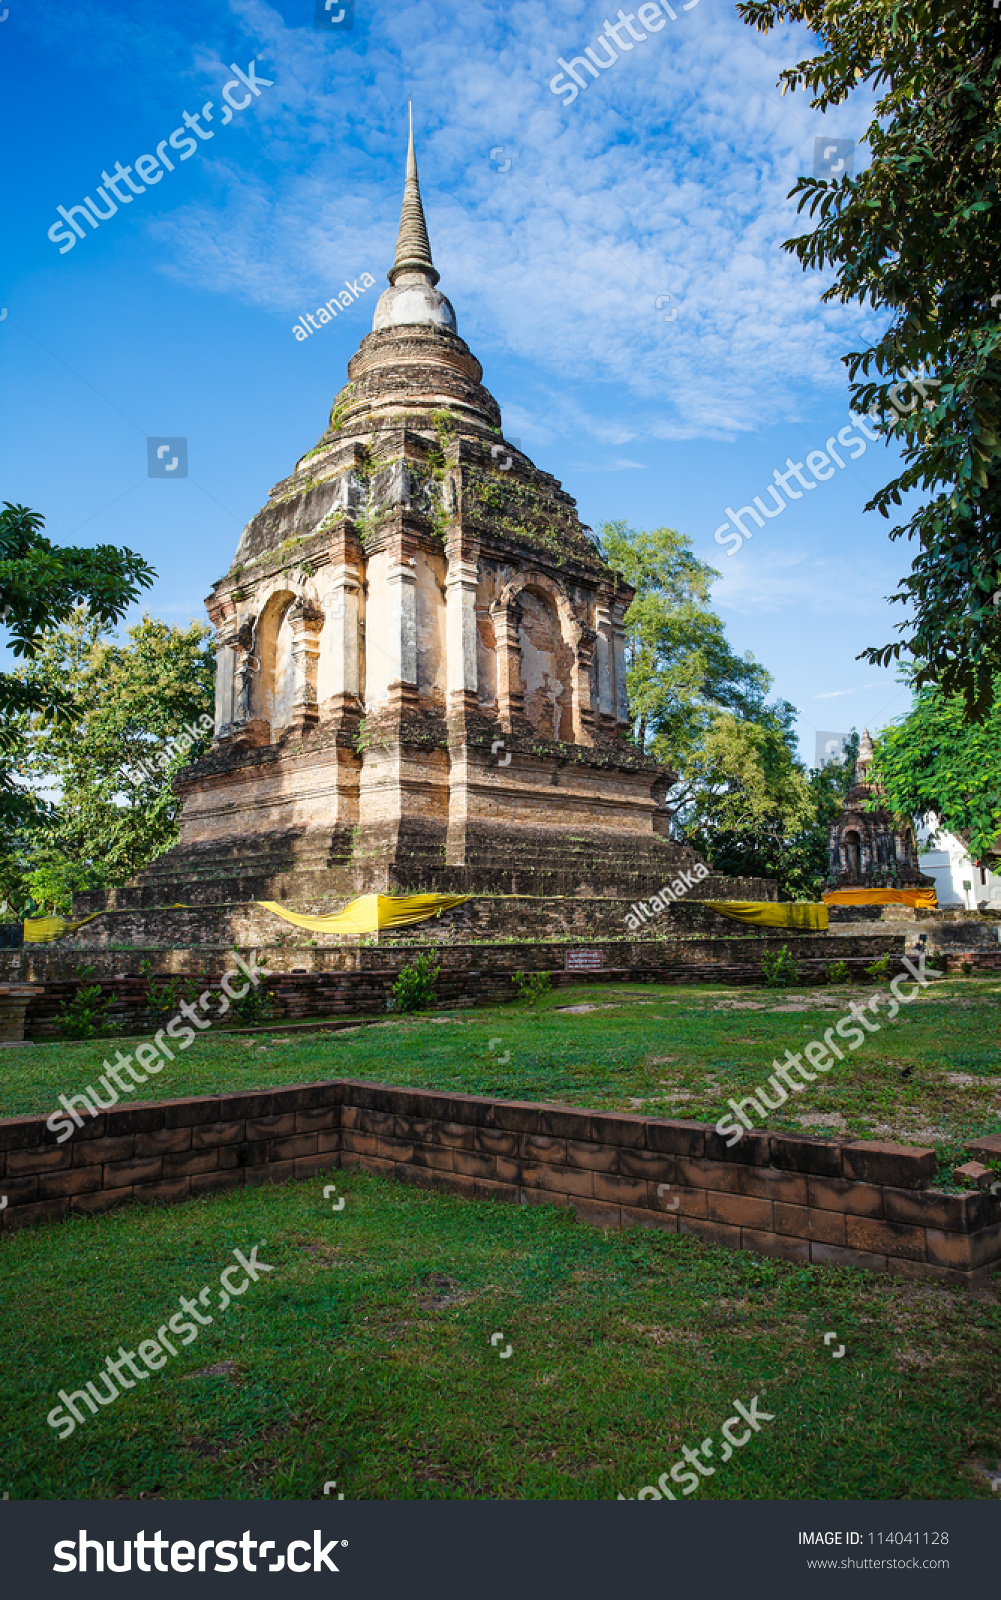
[(811, 918), (42, 930), (926, 898), (370, 912)]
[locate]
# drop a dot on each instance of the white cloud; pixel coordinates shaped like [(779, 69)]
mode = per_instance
[(668, 176)]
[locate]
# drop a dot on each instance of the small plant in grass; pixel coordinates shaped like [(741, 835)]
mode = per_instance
[(879, 970), (250, 1009), (414, 988), (532, 986), (163, 1000), (837, 972), (780, 969), (86, 1015)]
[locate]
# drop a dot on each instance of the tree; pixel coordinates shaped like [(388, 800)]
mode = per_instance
[(750, 807), (142, 710), (918, 234), (933, 760), (680, 669), (41, 584)]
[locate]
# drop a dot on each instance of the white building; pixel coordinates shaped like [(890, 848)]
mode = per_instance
[(958, 881)]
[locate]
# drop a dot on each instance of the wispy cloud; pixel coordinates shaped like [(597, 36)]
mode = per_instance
[(836, 694), (667, 177)]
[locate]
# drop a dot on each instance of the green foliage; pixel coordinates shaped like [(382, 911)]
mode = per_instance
[(532, 986), (917, 235), (86, 1015), (414, 988), (879, 970), (836, 972), (933, 760), (680, 669), (780, 969), (748, 805), (41, 585), (250, 1009), (112, 766), (163, 1000)]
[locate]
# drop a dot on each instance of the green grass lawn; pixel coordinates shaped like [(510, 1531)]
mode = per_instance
[(366, 1356), (931, 1077)]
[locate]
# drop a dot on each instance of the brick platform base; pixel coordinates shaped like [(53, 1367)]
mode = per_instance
[(806, 1199)]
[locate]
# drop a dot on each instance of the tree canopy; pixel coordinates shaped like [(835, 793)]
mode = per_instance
[(680, 668), (141, 710), (933, 760), (918, 236), (41, 585), (751, 808)]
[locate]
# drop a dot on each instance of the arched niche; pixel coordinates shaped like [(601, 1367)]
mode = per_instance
[(544, 658), (273, 694)]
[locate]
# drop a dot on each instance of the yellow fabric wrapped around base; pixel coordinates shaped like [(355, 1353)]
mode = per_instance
[(42, 930), (926, 898), (370, 912), (811, 918)]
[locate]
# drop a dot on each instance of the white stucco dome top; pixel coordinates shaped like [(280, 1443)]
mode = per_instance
[(413, 299)]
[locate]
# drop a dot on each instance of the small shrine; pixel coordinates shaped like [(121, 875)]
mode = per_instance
[(868, 848)]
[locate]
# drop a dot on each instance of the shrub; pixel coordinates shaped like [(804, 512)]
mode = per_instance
[(837, 972), (879, 970), (163, 1000), (414, 988), (86, 1015), (780, 969), (532, 986)]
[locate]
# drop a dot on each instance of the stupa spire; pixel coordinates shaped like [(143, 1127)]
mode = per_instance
[(413, 248)]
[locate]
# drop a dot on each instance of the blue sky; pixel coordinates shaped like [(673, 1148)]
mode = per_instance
[(556, 229)]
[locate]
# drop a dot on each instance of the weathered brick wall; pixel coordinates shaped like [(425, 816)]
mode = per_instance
[(470, 974), (812, 1200)]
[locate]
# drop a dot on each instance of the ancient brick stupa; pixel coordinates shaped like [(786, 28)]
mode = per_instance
[(421, 653)]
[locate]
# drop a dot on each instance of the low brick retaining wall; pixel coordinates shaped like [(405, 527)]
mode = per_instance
[(295, 996), (812, 1200)]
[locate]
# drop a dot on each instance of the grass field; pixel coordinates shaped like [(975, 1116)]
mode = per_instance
[(367, 1357), (930, 1077)]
